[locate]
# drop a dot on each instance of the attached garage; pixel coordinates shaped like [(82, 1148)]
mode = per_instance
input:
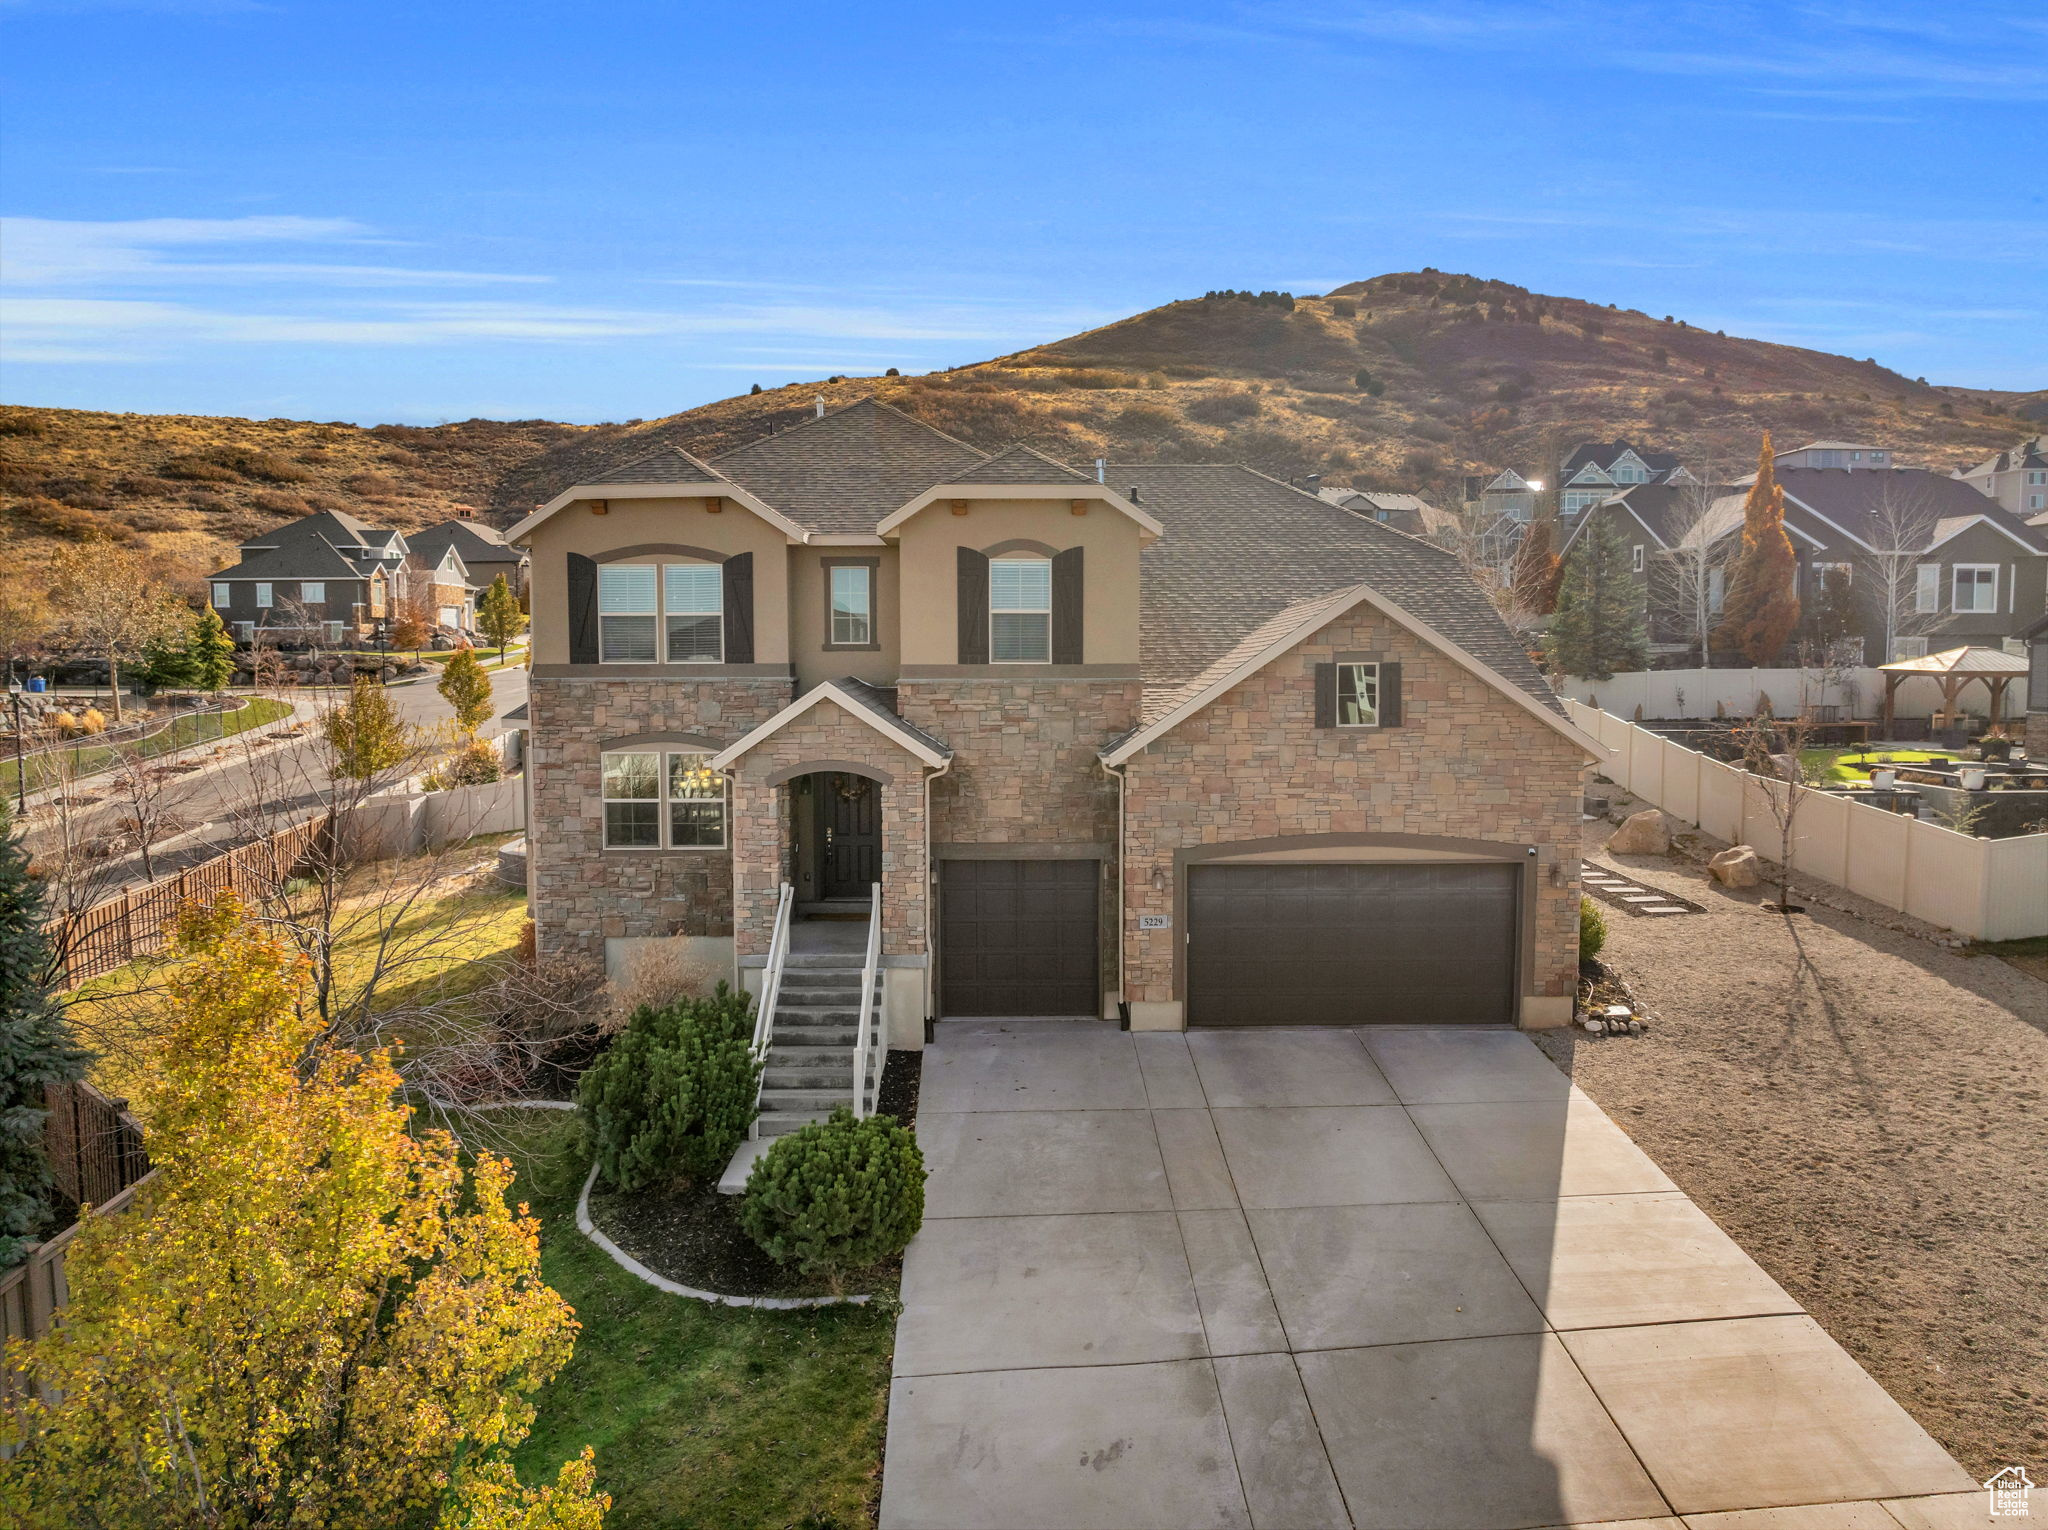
[(1019, 937), (1321, 943)]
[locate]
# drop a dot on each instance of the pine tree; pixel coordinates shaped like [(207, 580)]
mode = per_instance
[(166, 660), (209, 652), (1599, 627), (466, 688), (498, 615), (35, 1046), (1762, 605)]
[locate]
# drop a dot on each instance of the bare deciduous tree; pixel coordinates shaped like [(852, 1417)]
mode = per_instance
[(1687, 577), (109, 602), (1774, 749), (1901, 525)]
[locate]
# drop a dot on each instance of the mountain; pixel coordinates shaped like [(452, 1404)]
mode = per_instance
[(1409, 380)]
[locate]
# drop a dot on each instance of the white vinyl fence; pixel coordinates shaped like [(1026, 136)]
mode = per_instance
[(1671, 693), (1988, 889)]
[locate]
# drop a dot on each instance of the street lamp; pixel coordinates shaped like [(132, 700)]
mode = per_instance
[(20, 767)]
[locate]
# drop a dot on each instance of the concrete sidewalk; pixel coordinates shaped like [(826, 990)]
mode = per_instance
[(1406, 1279)]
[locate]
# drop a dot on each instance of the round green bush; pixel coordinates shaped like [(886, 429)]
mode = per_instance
[(1592, 928), (837, 1196), (669, 1100)]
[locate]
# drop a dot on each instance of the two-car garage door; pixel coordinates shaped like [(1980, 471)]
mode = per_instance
[(1318, 943)]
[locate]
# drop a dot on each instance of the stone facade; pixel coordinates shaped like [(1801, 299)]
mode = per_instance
[(584, 893), (1025, 767), (761, 824), (1466, 763)]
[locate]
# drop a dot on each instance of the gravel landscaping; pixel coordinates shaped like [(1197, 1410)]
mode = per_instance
[(1866, 1113)]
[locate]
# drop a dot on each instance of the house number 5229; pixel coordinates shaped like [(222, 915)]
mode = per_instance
[(1155, 921)]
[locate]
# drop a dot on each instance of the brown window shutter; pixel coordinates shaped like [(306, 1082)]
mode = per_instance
[(582, 609), (1390, 695), (1326, 695), (973, 607), (739, 609), (1067, 603)]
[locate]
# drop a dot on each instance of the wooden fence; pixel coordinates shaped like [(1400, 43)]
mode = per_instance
[(1988, 889), (33, 1291), (134, 923)]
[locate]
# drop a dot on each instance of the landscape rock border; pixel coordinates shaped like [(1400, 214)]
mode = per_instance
[(632, 1266)]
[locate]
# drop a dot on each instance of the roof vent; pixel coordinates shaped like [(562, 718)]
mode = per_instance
[(821, 406), (1315, 482), (1133, 495), (1101, 469)]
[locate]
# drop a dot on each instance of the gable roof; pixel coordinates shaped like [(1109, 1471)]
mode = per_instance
[(473, 540), (860, 700), (1020, 464), (1239, 547), (301, 558), (1855, 500), (844, 471), (669, 465), (1294, 624)]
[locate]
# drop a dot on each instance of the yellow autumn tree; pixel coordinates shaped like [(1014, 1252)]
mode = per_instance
[(310, 1317)]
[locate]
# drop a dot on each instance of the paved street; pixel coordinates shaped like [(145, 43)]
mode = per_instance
[(1399, 1278), (269, 783)]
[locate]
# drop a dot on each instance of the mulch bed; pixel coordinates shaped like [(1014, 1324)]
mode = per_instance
[(695, 1238)]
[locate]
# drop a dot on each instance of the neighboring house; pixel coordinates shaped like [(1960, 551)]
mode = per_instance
[(2016, 478), (2035, 638), (1851, 456), (1404, 512), (1659, 523), (1594, 470), (444, 584), (483, 549), (1184, 739), (328, 577)]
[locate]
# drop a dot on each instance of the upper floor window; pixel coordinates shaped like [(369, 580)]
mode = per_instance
[(2036, 476), (694, 595), (853, 605), (313, 592), (1358, 695), (1635, 558), (1020, 610), (223, 594), (1927, 588), (263, 601), (644, 609), (1976, 587), (653, 798)]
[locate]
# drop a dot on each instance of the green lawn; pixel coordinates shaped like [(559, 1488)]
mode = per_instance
[(714, 1418), (88, 758), (1855, 765)]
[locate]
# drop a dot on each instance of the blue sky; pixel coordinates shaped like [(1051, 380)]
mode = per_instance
[(362, 211)]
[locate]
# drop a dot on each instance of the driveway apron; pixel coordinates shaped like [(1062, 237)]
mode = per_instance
[(1391, 1279)]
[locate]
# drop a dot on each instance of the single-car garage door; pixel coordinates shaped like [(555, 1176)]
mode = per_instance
[(1328, 944), (1018, 937)]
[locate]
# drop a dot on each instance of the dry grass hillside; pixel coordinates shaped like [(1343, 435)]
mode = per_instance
[(1408, 380)]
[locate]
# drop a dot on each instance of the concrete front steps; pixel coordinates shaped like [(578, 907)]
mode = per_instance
[(809, 1072)]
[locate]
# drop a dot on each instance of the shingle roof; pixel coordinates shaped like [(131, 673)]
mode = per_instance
[(1856, 498), (301, 558), (669, 465), (1241, 547), (844, 471), (1160, 700), (473, 541), (1020, 464)]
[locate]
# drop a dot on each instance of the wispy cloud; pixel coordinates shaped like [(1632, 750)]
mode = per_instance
[(47, 252)]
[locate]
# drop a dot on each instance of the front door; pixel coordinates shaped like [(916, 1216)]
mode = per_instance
[(849, 835)]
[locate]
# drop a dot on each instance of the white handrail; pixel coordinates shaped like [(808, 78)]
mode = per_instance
[(771, 977), (863, 1044)]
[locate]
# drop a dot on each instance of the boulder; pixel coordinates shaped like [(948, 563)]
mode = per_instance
[(1737, 866), (1641, 833)]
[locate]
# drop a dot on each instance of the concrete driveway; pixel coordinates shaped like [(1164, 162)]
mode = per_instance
[(1406, 1279)]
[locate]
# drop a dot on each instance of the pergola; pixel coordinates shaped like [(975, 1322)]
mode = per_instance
[(1956, 668)]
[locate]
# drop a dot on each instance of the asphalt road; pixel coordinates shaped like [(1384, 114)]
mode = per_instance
[(260, 786)]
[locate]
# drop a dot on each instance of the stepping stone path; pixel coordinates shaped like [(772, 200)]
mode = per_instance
[(1613, 887)]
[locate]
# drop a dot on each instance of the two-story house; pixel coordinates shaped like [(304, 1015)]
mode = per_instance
[(2017, 478), (484, 552), (1184, 741), (1594, 470), (328, 576), (1850, 456)]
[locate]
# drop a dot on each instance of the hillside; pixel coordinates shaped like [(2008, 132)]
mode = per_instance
[(1409, 380)]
